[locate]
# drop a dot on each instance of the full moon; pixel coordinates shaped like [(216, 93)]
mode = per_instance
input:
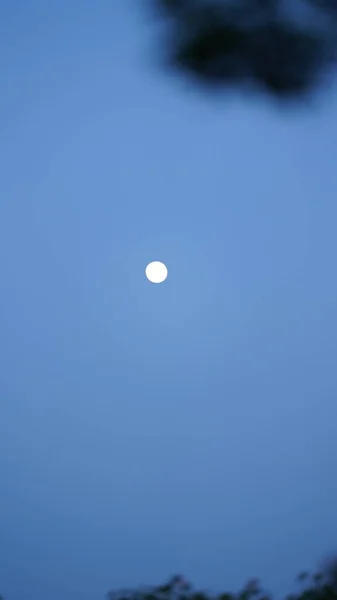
[(156, 272)]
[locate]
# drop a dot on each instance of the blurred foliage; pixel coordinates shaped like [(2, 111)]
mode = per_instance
[(283, 48), (316, 586)]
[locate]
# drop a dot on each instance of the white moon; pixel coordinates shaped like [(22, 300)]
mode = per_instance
[(156, 272)]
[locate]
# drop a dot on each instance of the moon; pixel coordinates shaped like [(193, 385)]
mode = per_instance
[(156, 272)]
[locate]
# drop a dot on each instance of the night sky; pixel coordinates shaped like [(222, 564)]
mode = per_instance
[(188, 426)]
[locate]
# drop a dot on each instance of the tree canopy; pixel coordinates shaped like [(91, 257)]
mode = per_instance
[(321, 585), (285, 49)]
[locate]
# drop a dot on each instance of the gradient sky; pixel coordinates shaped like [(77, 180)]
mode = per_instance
[(151, 429)]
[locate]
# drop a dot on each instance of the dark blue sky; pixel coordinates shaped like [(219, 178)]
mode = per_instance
[(152, 429)]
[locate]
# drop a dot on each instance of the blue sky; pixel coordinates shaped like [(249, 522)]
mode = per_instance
[(151, 429)]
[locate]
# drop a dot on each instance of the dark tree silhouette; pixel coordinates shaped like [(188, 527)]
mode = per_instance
[(316, 586), (283, 48)]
